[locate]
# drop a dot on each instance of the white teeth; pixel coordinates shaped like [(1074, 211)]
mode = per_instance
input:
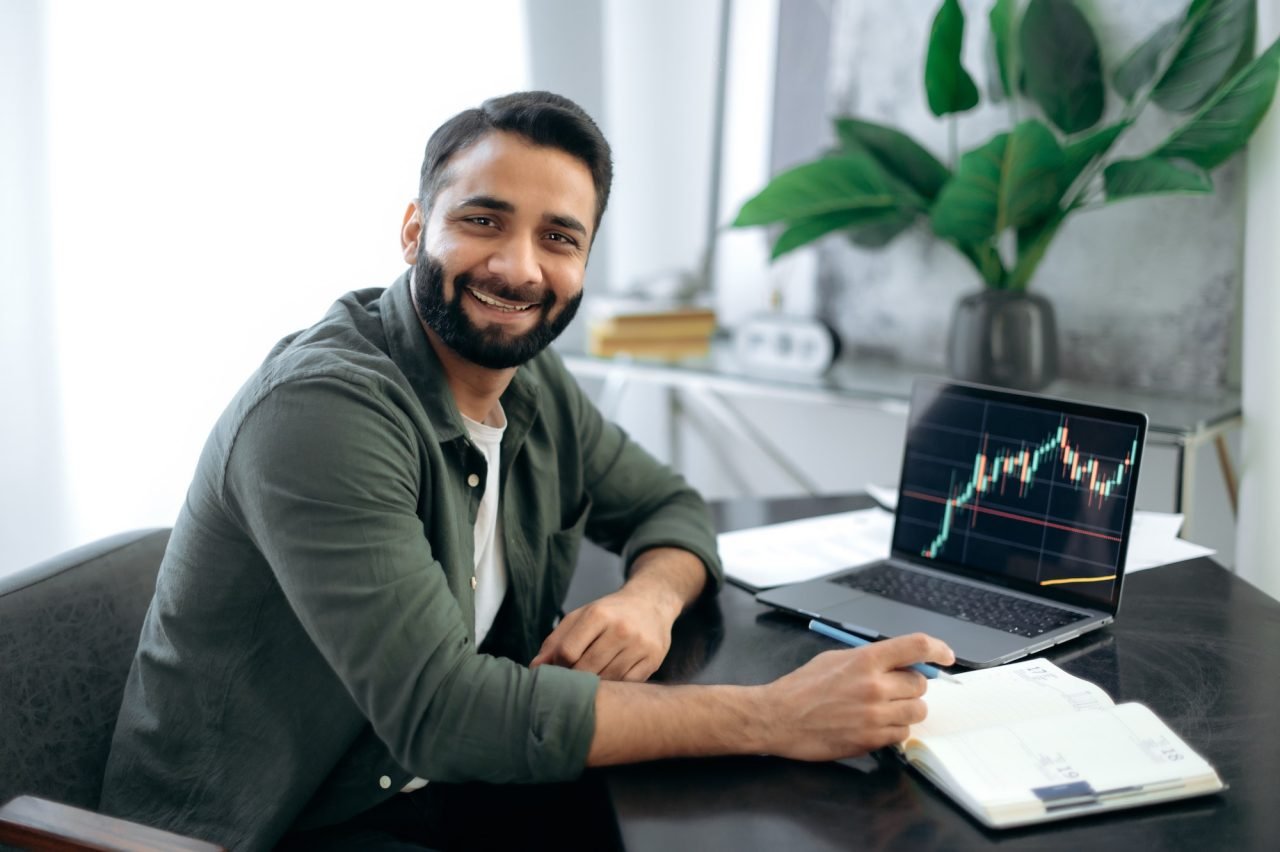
[(492, 302)]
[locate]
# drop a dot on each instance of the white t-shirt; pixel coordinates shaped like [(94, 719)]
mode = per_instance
[(490, 568), (490, 577)]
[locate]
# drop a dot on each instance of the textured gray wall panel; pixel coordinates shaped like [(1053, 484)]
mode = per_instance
[(1146, 291)]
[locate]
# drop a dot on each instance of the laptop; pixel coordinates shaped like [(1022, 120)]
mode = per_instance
[(1010, 533)]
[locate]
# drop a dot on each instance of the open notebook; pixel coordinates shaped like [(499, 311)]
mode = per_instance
[(1027, 743)]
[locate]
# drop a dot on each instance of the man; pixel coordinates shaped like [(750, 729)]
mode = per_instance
[(358, 605)]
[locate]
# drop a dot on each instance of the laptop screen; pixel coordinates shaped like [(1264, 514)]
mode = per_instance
[(1029, 492)]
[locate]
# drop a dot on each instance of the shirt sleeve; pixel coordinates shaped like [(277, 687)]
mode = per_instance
[(639, 503), (326, 478)]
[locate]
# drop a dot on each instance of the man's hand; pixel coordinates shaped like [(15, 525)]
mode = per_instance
[(844, 703), (626, 635), (839, 704), (622, 636)]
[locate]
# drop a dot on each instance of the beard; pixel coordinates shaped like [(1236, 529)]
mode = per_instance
[(492, 347)]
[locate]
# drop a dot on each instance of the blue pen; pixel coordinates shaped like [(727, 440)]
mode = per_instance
[(857, 642)]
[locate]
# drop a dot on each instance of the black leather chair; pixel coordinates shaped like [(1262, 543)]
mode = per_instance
[(68, 631)]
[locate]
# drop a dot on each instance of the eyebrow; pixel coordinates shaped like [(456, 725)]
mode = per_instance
[(568, 222), (488, 202)]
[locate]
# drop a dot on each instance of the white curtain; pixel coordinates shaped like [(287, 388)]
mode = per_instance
[(33, 494), (199, 179)]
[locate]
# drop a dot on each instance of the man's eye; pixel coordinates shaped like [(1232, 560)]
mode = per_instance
[(558, 237), (481, 220)]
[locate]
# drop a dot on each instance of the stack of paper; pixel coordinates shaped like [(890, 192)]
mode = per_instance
[(763, 557)]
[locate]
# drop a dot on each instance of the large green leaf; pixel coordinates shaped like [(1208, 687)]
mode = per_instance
[(852, 180), (1033, 163), (948, 87), (968, 207), (1154, 175), (1002, 18), (1012, 180), (1246, 48), (1139, 67), (878, 234), (1224, 124), (805, 230), (899, 154), (1077, 155), (1062, 65), (1215, 32)]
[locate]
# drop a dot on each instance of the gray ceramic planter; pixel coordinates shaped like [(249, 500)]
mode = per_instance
[(1006, 338)]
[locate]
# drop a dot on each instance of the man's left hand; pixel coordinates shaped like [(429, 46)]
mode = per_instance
[(626, 635)]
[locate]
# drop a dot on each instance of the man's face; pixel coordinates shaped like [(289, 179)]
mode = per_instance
[(500, 260)]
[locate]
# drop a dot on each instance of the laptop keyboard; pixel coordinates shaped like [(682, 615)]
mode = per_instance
[(968, 603)]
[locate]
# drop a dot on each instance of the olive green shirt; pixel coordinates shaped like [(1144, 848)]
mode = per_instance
[(310, 645)]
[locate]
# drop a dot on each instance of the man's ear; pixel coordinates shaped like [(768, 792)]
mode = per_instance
[(411, 232)]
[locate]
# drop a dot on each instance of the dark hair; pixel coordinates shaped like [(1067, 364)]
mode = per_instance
[(543, 118)]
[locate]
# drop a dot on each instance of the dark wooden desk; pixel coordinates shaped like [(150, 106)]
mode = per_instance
[(1193, 642)]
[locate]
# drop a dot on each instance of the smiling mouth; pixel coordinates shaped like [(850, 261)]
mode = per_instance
[(498, 304)]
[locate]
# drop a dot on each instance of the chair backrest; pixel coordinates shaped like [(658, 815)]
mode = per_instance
[(68, 631)]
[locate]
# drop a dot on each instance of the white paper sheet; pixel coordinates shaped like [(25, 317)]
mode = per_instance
[(1153, 540), (801, 550)]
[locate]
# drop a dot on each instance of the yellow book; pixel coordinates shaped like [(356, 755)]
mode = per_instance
[(671, 348), (676, 323), (1026, 743)]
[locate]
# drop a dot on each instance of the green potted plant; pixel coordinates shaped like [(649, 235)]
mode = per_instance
[(1002, 203)]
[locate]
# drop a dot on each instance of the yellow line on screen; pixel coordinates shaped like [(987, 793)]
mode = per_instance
[(1077, 580)]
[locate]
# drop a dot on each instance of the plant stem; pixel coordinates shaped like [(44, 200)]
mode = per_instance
[(1086, 206)]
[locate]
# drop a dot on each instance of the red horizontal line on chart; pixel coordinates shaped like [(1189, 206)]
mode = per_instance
[(1024, 518)]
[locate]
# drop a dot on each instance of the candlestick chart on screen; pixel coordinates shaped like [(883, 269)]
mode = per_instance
[(1034, 495)]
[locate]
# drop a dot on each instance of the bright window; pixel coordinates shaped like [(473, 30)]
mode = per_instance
[(220, 173)]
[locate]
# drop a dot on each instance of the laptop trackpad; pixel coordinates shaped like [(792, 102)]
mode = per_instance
[(885, 617), (813, 599), (877, 615)]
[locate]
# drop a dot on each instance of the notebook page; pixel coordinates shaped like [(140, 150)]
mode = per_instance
[(1117, 754), (1010, 693)]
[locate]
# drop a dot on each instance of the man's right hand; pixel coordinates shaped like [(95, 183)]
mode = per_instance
[(849, 702), (839, 704)]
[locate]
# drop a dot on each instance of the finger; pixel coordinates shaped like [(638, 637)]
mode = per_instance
[(551, 645), (909, 711), (904, 684), (599, 657), (641, 671), (895, 734), (621, 664), (903, 651), (547, 653), (604, 649), (575, 636)]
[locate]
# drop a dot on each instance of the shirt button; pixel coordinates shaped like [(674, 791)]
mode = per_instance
[(473, 480), (474, 583), (384, 782)]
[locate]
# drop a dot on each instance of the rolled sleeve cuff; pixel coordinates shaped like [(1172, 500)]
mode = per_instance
[(690, 537), (562, 723)]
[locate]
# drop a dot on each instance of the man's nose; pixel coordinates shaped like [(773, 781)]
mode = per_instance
[(516, 261)]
